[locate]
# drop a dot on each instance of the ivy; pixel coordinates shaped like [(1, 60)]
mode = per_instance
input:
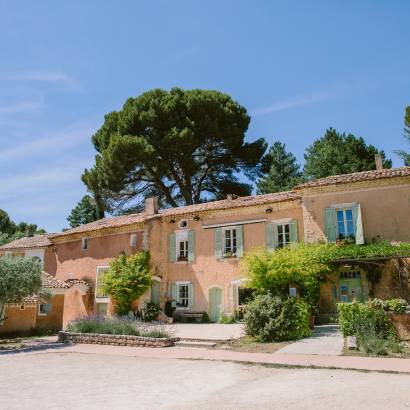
[(308, 265)]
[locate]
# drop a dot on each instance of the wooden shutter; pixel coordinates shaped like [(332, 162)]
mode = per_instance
[(357, 223), (191, 246), (239, 241), (218, 243), (172, 251), (174, 294), (190, 295), (330, 224), (293, 231), (270, 240)]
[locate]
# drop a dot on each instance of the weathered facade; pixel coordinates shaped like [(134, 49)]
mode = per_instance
[(196, 249)]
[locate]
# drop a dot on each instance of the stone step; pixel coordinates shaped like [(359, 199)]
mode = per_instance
[(192, 343)]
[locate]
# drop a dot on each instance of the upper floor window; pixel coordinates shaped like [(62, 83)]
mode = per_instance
[(345, 223), (183, 250), (133, 240), (283, 235), (84, 244), (230, 241)]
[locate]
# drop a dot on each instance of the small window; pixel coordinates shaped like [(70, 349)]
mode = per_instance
[(133, 240), (183, 223), (345, 226), (22, 307), (230, 242), (283, 235), (44, 309), (293, 292), (84, 244), (183, 251), (182, 296)]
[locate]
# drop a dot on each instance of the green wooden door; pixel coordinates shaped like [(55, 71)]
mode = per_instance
[(215, 301), (350, 286)]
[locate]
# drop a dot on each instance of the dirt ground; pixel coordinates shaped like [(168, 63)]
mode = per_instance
[(58, 380)]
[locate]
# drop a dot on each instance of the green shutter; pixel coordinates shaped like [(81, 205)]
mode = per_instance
[(275, 236), (190, 295), (174, 294), (191, 246), (357, 223), (239, 241), (330, 224), (293, 231), (218, 243), (270, 238), (48, 307), (172, 252)]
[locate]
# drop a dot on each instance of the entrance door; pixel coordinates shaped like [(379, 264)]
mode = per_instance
[(215, 302)]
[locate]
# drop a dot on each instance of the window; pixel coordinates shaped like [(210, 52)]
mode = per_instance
[(22, 307), (293, 292), (84, 244), (44, 309), (100, 274), (183, 298), (283, 235), (345, 226), (183, 223), (230, 241), (183, 250), (133, 240)]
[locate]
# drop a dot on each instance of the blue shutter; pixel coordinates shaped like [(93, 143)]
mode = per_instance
[(239, 241), (172, 251), (270, 238), (191, 246), (330, 224), (174, 294), (190, 295), (357, 224), (218, 243), (293, 231)]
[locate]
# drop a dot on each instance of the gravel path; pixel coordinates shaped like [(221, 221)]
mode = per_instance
[(56, 380)]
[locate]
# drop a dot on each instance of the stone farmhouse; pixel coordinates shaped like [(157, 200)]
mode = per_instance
[(196, 249)]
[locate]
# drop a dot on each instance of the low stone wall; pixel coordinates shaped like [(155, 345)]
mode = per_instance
[(402, 325), (115, 340)]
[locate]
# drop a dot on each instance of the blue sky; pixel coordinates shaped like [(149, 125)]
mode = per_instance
[(298, 67)]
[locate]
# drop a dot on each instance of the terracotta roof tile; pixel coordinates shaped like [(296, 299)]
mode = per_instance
[(36, 241), (243, 201), (105, 223), (357, 177), (50, 282)]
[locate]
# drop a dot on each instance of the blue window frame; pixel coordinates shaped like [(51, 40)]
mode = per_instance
[(345, 226)]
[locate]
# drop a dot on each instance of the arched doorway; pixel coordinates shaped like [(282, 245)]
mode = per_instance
[(215, 304)]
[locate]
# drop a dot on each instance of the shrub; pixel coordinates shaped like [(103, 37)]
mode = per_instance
[(118, 326), (226, 318), (127, 279), (151, 311), (269, 318), (398, 306)]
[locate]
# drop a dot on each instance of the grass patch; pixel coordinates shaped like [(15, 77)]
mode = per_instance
[(400, 350), (251, 345)]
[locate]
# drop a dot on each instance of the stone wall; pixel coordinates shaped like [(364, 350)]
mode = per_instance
[(402, 325), (115, 340)]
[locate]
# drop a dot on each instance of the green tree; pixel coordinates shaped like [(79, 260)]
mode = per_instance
[(19, 278), (185, 146), (7, 226), (127, 279), (284, 171), (405, 156), (336, 153), (86, 211)]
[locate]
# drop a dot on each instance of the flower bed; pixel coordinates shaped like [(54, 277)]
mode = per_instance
[(115, 340)]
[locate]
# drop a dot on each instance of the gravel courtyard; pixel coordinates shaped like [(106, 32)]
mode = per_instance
[(58, 380)]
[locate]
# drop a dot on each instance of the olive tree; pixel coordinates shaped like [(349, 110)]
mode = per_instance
[(19, 277)]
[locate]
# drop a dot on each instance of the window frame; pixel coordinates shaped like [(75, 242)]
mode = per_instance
[(182, 253), (283, 234), (185, 297), (133, 240), (85, 244), (233, 238), (345, 223)]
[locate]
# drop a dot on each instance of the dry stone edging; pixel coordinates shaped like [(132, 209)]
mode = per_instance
[(115, 340)]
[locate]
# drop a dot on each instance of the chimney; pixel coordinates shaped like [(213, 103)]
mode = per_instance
[(151, 205), (379, 162)]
